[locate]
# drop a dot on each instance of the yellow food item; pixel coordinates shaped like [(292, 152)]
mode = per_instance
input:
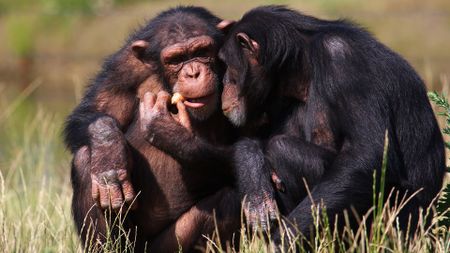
[(176, 98)]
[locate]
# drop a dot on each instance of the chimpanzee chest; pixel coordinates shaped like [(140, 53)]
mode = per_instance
[(166, 189)]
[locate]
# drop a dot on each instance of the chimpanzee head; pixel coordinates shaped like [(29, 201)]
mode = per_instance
[(181, 44), (260, 62)]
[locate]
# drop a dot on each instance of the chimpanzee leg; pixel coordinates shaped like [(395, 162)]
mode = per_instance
[(296, 161), (291, 159), (221, 209), (91, 221)]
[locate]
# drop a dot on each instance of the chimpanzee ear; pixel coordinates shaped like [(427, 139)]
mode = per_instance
[(246, 42), (225, 25), (138, 47)]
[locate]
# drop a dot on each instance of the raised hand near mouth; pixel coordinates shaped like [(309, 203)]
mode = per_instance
[(154, 114)]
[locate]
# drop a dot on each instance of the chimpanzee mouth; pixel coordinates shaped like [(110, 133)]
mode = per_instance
[(198, 102)]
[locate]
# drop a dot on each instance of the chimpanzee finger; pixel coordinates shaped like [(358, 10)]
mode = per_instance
[(149, 100), (146, 105), (129, 195), (103, 196), (263, 218), (94, 189), (273, 211), (248, 214), (279, 185), (127, 187), (183, 116), (145, 109), (110, 196), (162, 100), (253, 217), (116, 197)]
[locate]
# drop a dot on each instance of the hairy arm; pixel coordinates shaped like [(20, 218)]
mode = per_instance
[(281, 164), (174, 136), (98, 102), (295, 158), (97, 126)]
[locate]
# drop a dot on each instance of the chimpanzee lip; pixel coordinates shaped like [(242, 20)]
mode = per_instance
[(198, 102)]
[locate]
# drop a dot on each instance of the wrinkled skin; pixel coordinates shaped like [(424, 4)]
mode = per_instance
[(109, 161)]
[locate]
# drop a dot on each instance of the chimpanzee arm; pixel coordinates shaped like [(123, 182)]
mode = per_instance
[(292, 157), (344, 186), (99, 102), (97, 125), (187, 148), (175, 139), (113, 93), (287, 158), (347, 182), (252, 173), (76, 129)]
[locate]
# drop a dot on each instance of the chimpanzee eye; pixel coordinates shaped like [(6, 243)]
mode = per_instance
[(202, 52), (175, 60), (243, 43)]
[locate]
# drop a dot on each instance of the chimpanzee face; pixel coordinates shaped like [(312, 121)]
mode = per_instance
[(188, 64), (240, 95), (191, 70)]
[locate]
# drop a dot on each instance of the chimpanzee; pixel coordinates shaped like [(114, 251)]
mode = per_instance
[(329, 91), (181, 195)]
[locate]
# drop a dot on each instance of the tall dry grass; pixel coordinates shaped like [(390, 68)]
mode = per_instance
[(35, 199)]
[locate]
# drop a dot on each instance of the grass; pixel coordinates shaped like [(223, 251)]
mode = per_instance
[(34, 181), (383, 235), (35, 188), (35, 199)]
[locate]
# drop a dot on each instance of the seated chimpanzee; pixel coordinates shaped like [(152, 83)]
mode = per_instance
[(181, 191), (329, 92)]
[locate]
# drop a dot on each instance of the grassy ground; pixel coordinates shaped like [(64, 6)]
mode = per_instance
[(35, 198), (34, 165), (34, 181)]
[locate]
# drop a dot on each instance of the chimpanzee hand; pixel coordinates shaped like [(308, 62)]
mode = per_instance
[(154, 114), (255, 183), (260, 208), (110, 165)]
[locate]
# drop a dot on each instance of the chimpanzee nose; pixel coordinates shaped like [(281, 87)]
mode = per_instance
[(192, 72)]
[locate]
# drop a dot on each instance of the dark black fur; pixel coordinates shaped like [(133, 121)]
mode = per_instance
[(360, 89)]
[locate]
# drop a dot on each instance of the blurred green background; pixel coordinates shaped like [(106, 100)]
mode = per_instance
[(61, 43)]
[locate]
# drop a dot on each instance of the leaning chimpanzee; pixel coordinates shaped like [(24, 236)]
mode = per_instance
[(177, 192), (329, 91)]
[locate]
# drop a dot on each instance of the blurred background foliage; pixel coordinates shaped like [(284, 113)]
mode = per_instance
[(50, 49), (62, 42)]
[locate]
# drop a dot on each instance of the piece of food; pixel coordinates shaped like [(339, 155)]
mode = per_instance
[(176, 98)]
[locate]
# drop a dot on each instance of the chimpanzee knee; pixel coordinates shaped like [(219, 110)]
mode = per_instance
[(89, 220)]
